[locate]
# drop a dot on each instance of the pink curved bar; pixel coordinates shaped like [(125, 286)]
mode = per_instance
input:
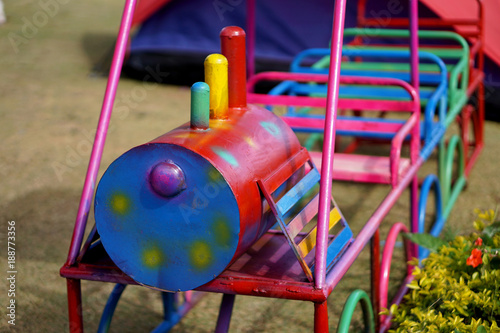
[(385, 266), (323, 78), (408, 127), (102, 129), (396, 146), (320, 102)]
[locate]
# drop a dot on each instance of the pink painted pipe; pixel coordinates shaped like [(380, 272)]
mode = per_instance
[(355, 104), (102, 129), (414, 144), (324, 78), (397, 144), (325, 189), (385, 266)]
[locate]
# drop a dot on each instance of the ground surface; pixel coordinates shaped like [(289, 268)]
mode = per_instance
[(49, 107)]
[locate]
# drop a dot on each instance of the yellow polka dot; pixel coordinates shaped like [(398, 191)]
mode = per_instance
[(153, 257), (222, 232), (200, 255), (120, 204), (214, 175)]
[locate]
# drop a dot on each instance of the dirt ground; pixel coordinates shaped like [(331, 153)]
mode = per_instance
[(49, 107)]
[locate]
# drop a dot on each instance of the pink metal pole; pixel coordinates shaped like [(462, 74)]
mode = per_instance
[(102, 129), (329, 143), (251, 32), (415, 143), (414, 44)]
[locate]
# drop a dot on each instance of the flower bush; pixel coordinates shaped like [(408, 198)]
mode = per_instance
[(457, 288)]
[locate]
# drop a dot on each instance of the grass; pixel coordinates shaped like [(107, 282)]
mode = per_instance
[(49, 107)]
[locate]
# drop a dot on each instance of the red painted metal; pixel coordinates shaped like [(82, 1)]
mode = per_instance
[(442, 22), (234, 49), (96, 272), (146, 8), (375, 275), (75, 305), (470, 120), (280, 175), (321, 317)]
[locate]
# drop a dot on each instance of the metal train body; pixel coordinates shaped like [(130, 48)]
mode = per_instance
[(175, 212)]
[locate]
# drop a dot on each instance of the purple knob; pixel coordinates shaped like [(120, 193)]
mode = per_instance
[(167, 179)]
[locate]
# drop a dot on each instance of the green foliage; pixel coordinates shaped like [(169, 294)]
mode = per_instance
[(457, 289), (428, 241)]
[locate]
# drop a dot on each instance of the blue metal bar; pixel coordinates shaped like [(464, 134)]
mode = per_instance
[(226, 309), (431, 181), (298, 191), (109, 309)]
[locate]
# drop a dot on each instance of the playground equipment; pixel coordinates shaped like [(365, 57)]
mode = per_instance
[(189, 203), (469, 111), (465, 94), (193, 209)]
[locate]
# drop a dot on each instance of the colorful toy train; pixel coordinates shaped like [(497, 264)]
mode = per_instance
[(195, 208), (187, 204)]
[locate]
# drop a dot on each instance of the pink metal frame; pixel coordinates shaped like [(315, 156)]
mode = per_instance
[(410, 127), (73, 285), (469, 119), (232, 283)]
